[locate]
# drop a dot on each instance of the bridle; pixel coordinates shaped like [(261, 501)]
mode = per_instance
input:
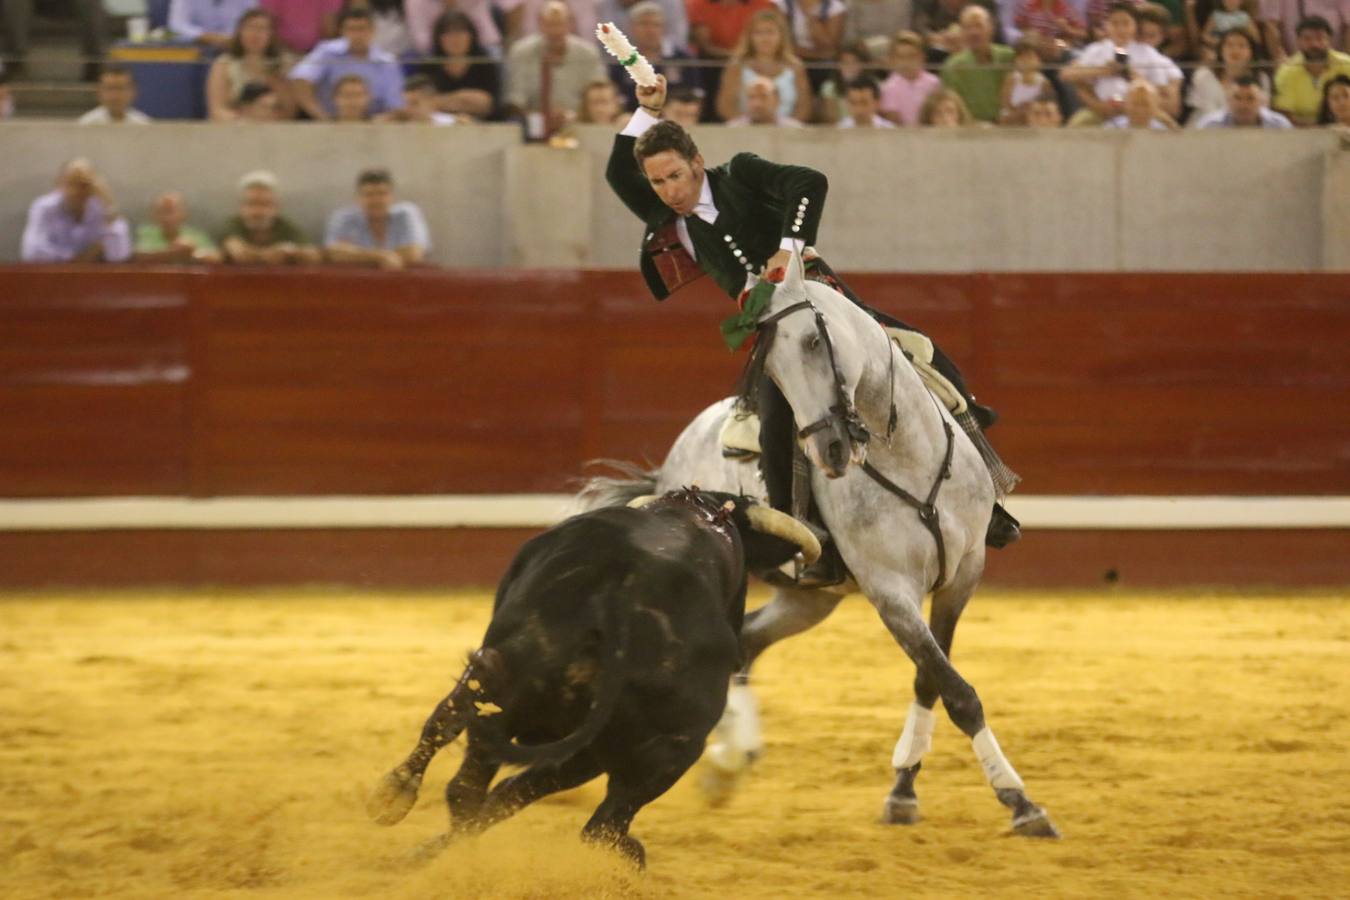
[(844, 412)]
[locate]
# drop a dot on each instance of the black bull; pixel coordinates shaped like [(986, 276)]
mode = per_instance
[(612, 640)]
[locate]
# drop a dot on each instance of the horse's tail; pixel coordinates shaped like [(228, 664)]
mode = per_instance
[(631, 482)]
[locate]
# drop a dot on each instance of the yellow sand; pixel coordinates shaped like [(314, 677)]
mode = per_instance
[(221, 744)]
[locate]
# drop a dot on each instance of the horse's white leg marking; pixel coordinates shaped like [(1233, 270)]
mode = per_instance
[(996, 767), (737, 739), (916, 739)]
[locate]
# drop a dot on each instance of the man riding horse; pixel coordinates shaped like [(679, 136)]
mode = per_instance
[(737, 222)]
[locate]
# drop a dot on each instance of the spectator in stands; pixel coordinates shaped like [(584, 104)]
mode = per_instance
[(864, 97), (1300, 81), (1282, 21), (1238, 57), (254, 57), (351, 100), (1246, 109), (1141, 109), (168, 238), (376, 231), (77, 222), (1043, 112), (600, 104), (977, 72), (1023, 84), (1102, 73), (684, 104), (547, 72), (259, 103), (301, 24), (1228, 15), (674, 19), (763, 106), (259, 234), (116, 93), (1336, 102), (1042, 22), (391, 32), (16, 17), (463, 88), (423, 15), (419, 104), (817, 28), (939, 23), (315, 78), (647, 30), (944, 108), (909, 85), (873, 22), (1163, 31), (765, 51), (525, 18), (6, 98), (832, 97), (210, 23), (716, 26)]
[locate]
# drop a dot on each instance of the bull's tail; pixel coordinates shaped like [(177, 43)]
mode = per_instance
[(613, 611), (600, 491), (397, 791)]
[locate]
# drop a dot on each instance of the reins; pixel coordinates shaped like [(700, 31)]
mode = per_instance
[(845, 411)]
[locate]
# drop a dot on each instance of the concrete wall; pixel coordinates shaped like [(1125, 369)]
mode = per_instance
[(995, 200)]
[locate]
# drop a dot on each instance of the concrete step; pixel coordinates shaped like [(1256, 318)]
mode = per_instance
[(52, 99)]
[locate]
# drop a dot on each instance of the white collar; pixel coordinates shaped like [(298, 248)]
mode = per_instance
[(704, 208)]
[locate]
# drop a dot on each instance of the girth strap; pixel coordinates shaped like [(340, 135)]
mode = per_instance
[(927, 509)]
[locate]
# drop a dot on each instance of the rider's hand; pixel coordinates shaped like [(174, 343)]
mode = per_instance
[(653, 98)]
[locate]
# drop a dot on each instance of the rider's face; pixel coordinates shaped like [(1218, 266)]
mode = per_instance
[(676, 180)]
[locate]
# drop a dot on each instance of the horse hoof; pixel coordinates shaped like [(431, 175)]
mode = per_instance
[(428, 850), (901, 811), (1035, 823), (393, 797), (717, 785)]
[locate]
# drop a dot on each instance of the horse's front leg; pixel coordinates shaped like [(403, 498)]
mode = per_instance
[(900, 611)]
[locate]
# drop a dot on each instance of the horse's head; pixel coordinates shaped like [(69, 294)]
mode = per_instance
[(815, 356)]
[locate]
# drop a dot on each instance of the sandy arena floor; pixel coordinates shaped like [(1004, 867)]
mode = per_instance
[(221, 744)]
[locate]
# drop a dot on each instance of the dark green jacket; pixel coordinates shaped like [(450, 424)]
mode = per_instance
[(758, 204)]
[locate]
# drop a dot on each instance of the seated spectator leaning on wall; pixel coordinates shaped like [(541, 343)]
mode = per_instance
[(1336, 102), (1246, 109), (1101, 75), (1299, 82), (259, 103), (315, 78), (169, 238), (254, 56), (351, 99), (463, 88), (116, 93), (1043, 112), (259, 234), (210, 23), (376, 231), (77, 222), (977, 72), (419, 105), (547, 72), (944, 108), (863, 97), (684, 105), (600, 105), (1141, 109), (762, 106)]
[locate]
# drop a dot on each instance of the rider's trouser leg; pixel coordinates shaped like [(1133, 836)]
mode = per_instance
[(777, 432)]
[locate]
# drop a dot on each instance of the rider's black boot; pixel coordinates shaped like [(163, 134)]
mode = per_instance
[(1003, 528)]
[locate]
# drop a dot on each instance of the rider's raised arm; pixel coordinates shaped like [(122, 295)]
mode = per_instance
[(623, 174), (800, 190)]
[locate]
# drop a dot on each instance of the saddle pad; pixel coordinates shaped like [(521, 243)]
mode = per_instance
[(918, 349), (740, 432)]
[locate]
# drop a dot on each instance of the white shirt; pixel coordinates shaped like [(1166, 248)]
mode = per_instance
[(99, 116), (801, 24), (1144, 61), (705, 209), (877, 122)]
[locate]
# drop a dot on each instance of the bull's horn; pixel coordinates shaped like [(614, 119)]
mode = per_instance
[(781, 525), (639, 502)]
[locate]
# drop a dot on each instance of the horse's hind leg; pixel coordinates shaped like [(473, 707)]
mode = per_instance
[(900, 611), (791, 611), (902, 805)]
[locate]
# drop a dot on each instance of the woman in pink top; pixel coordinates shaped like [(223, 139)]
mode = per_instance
[(903, 93), (300, 23)]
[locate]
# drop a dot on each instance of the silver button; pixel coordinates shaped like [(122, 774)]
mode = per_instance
[(727, 238), (796, 228), (805, 200)]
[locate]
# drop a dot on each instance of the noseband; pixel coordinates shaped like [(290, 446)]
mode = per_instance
[(843, 411)]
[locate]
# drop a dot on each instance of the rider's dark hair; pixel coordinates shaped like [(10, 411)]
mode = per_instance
[(661, 137)]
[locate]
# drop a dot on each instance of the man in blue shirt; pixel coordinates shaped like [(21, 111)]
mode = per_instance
[(316, 76), (376, 231), (208, 22), (1246, 109)]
